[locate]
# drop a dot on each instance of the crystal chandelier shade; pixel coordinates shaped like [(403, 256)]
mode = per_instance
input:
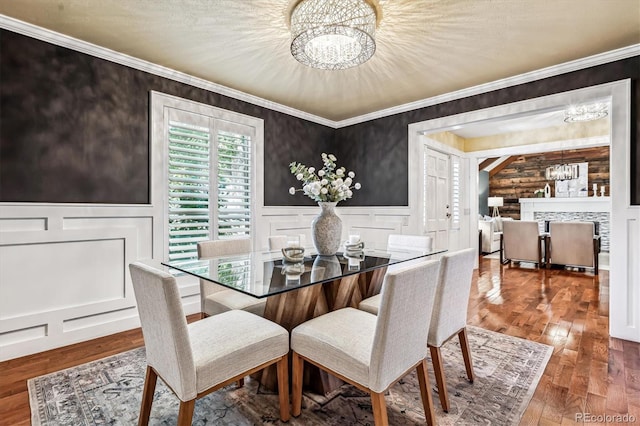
[(333, 34), (562, 172), (580, 113)]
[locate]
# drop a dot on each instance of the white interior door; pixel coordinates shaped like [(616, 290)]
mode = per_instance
[(437, 199)]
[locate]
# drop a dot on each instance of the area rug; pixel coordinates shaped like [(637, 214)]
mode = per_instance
[(108, 391)]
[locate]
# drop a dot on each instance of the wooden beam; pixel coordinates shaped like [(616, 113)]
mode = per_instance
[(501, 166), (486, 163)]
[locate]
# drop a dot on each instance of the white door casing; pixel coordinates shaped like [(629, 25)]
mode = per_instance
[(624, 275)]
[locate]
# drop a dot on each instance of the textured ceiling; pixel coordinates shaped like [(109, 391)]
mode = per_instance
[(424, 48)]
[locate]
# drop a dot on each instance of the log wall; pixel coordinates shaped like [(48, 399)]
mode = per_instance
[(525, 174)]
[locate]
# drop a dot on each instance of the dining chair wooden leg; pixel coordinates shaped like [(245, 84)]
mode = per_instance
[(283, 387), (296, 371), (147, 396), (240, 382), (466, 353), (438, 372), (425, 393), (380, 417), (185, 415)]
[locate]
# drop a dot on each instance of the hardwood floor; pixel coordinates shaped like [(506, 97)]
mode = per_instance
[(587, 373)]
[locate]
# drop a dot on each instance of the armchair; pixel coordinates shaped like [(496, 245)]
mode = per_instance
[(491, 232), (573, 244), (521, 241)]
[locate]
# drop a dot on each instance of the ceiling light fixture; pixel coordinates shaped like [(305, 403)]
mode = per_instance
[(562, 172), (587, 112), (333, 34)]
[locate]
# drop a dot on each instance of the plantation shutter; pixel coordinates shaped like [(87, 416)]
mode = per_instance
[(234, 181), (188, 182), (456, 191), (196, 165), (208, 157)]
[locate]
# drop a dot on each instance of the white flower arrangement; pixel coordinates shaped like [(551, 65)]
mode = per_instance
[(329, 184)]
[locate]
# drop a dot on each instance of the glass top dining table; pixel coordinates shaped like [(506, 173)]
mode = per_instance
[(266, 273)]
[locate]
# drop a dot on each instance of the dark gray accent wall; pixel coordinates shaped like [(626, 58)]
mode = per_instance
[(380, 147), (75, 128)]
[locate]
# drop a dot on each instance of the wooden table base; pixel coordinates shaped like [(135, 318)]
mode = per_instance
[(295, 307)]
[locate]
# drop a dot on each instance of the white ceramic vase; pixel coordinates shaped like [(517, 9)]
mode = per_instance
[(326, 229)]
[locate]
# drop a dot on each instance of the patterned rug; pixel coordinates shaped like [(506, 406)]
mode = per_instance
[(108, 391)]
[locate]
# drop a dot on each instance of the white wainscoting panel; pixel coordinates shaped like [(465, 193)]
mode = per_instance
[(60, 285), (23, 335), (93, 272), (373, 224), (291, 225), (21, 225), (98, 319), (64, 274), (142, 225), (374, 231)]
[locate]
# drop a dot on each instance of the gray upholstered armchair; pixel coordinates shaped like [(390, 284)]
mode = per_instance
[(521, 241), (573, 244)]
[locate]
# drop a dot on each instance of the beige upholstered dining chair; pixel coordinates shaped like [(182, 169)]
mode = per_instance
[(410, 242), (450, 314), (573, 244), (214, 298), (277, 242), (198, 358), (399, 242), (373, 352), (521, 241)]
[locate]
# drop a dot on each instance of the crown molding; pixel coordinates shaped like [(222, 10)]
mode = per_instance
[(62, 40), (578, 64)]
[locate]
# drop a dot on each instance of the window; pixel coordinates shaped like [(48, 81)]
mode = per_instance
[(210, 169)]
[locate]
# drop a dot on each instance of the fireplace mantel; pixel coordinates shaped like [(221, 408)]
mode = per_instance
[(577, 204)]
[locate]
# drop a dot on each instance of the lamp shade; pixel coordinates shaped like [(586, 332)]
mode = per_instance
[(495, 201)]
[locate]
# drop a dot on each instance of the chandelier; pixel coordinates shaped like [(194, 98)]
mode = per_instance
[(580, 113), (562, 172), (333, 34)]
